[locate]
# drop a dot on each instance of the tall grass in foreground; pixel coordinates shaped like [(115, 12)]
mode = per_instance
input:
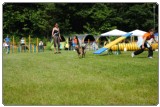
[(64, 79)]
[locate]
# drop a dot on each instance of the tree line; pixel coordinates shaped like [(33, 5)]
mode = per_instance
[(38, 19)]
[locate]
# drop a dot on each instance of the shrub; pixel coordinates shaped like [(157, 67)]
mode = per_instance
[(49, 45)]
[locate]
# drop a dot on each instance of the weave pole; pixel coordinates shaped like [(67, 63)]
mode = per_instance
[(13, 45), (29, 43)]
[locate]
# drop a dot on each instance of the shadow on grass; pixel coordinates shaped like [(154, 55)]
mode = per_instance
[(106, 54), (141, 57)]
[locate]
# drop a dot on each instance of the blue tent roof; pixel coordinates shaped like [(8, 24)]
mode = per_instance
[(156, 34)]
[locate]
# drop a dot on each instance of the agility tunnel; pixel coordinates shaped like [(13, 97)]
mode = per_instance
[(130, 46)]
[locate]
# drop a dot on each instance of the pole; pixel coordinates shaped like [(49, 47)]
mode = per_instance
[(30, 48), (118, 50), (13, 45), (29, 43), (37, 45), (35, 48), (154, 15), (89, 44), (25, 44)]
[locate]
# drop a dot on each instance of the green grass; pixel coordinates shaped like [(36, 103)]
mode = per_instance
[(64, 79)]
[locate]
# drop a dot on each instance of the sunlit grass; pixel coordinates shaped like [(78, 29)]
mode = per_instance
[(64, 79)]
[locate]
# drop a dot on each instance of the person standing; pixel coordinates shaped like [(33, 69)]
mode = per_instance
[(7, 40), (75, 42), (41, 46), (56, 36), (94, 45), (22, 42), (142, 43)]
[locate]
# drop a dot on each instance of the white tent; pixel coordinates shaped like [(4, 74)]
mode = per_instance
[(114, 32), (138, 32)]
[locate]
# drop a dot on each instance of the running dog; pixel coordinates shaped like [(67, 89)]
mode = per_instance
[(81, 51)]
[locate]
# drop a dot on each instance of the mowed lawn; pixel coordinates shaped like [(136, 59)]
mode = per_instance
[(64, 79)]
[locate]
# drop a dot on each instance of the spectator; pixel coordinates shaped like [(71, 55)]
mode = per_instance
[(56, 36), (22, 41), (4, 44), (94, 46), (7, 40), (41, 46), (75, 42)]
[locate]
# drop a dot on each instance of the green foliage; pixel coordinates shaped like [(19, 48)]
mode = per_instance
[(112, 38), (49, 45), (143, 16), (38, 19), (44, 40), (34, 41)]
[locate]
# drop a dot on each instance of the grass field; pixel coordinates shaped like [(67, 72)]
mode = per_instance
[(64, 79)]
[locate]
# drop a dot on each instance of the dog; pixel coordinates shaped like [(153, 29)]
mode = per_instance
[(81, 51)]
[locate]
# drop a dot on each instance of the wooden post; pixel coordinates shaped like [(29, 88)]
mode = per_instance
[(13, 45), (89, 44), (37, 45), (33, 48), (29, 43), (25, 44)]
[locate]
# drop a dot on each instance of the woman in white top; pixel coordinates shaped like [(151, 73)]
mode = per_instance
[(22, 41)]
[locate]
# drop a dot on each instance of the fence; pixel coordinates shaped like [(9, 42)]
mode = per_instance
[(28, 46), (90, 45)]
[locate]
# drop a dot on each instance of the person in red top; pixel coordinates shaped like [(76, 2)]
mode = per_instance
[(144, 44), (76, 42)]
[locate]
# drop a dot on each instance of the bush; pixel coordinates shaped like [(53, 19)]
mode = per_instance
[(49, 45), (44, 41)]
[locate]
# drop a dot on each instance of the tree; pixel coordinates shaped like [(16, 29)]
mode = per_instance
[(38, 19)]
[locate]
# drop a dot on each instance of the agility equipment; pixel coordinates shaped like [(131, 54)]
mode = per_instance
[(131, 46), (28, 47), (108, 46)]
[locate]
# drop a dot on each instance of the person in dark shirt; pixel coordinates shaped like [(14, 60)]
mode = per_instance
[(56, 36)]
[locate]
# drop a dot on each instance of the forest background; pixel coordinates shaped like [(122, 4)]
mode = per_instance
[(38, 19)]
